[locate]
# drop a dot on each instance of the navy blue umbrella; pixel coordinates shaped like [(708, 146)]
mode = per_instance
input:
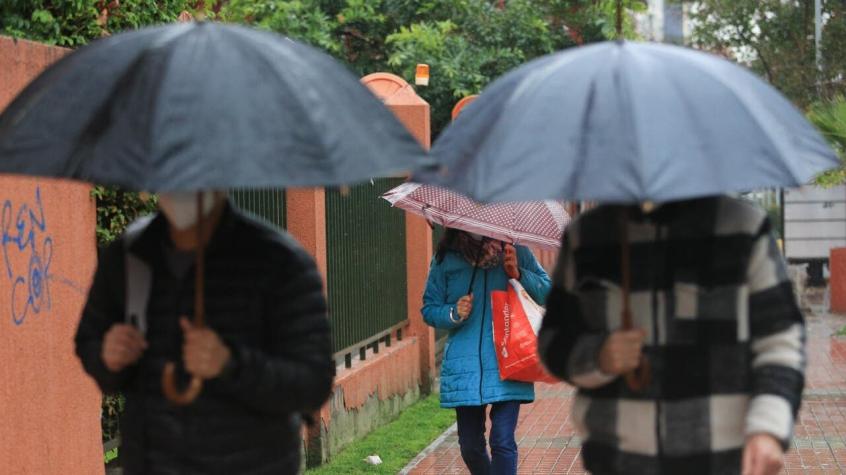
[(202, 106), (627, 122)]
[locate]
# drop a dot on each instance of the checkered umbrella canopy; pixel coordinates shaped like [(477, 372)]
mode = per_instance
[(528, 223)]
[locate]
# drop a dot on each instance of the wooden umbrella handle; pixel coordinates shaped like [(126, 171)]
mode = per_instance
[(173, 393), (195, 386), (640, 377)]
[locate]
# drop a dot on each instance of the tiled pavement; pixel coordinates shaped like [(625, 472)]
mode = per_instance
[(548, 444)]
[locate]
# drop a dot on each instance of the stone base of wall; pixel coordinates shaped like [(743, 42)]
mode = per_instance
[(366, 397)]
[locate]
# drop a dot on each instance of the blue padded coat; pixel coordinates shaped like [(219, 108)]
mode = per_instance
[(470, 374)]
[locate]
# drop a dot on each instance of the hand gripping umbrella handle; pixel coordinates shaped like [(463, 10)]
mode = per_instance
[(195, 386), (640, 377)]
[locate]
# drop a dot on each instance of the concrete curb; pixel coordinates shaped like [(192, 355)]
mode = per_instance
[(428, 450)]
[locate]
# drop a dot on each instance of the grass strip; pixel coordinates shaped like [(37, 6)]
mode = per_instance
[(397, 442)]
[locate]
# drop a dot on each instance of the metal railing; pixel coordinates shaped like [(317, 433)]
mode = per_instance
[(268, 204), (359, 351), (366, 261)]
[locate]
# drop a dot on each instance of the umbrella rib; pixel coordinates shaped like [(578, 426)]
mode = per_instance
[(448, 219), (626, 93), (786, 164), (573, 179), (101, 120), (157, 101), (270, 67)]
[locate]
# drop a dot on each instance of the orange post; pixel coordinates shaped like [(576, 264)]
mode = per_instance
[(50, 407), (460, 105), (306, 221), (837, 262), (413, 112)]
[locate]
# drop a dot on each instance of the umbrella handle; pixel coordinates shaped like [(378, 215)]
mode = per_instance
[(169, 388), (639, 378), (172, 393)]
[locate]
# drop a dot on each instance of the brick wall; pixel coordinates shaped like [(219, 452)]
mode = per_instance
[(50, 408)]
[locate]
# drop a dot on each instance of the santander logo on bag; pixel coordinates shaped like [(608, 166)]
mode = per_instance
[(516, 322), (503, 344)]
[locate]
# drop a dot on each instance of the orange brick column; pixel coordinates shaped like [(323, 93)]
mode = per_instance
[(305, 212), (413, 112), (49, 407), (305, 215), (837, 261)]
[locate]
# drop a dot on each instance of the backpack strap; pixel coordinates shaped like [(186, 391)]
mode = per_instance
[(139, 277)]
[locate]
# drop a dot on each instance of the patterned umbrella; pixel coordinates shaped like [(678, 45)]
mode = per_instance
[(529, 223)]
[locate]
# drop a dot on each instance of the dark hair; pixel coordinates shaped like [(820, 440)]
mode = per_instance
[(446, 243)]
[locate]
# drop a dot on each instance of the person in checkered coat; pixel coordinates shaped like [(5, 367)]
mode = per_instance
[(716, 319)]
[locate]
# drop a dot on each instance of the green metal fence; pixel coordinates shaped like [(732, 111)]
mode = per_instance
[(366, 260), (268, 205)]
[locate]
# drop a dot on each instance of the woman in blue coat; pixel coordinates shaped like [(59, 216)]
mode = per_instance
[(465, 270)]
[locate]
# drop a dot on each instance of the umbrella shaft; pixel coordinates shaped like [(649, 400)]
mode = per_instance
[(199, 278), (625, 270)]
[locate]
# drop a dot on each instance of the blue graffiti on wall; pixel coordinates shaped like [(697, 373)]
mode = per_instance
[(24, 237)]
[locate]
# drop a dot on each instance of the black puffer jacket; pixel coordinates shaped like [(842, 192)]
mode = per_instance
[(264, 298)]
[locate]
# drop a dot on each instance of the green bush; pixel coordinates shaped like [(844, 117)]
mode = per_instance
[(830, 118)]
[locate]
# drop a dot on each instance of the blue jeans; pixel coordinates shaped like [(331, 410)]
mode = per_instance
[(471, 438)]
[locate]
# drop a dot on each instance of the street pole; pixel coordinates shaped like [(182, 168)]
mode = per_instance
[(818, 32), (619, 25)]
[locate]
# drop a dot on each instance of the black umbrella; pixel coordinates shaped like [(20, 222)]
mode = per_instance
[(202, 106), (198, 106)]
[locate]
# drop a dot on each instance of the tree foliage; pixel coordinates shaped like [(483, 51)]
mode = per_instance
[(116, 209), (76, 22), (776, 39), (466, 43), (830, 117)]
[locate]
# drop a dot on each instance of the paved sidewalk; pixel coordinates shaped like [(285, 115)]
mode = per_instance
[(548, 444)]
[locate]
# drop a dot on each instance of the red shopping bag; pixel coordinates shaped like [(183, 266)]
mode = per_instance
[(516, 322)]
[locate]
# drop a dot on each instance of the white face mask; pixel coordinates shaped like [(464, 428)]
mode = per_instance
[(180, 209), (649, 207)]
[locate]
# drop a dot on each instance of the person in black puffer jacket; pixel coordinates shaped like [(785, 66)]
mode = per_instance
[(265, 354)]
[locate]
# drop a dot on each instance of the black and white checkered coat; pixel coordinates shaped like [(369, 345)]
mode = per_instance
[(725, 337)]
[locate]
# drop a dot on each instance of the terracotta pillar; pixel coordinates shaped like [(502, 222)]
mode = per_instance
[(50, 408), (837, 263), (413, 112), (305, 212)]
